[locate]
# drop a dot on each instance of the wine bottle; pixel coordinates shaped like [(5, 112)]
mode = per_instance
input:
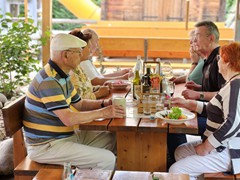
[(136, 85), (145, 86), (148, 74), (139, 66)]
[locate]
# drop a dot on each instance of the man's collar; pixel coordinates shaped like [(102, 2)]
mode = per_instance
[(57, 69)]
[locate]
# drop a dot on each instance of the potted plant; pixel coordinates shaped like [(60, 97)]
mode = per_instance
[(18, 53)]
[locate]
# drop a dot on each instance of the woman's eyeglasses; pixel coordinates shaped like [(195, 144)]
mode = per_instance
[(218, 57)]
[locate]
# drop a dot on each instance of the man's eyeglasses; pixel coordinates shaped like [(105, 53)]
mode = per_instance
[(197, 36), (218, 57), (78, 52)]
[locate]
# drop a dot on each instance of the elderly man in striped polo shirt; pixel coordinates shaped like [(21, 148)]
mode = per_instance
[(53, 107)]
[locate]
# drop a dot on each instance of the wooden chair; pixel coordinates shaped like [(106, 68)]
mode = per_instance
[(24, 167), (221, 176)]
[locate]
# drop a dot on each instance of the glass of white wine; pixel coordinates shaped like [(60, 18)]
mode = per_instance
[(167, 70), (130, 76)]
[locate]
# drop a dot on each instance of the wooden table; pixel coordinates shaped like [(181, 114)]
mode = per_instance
[(49, 174), (141, 142), (56, 174)]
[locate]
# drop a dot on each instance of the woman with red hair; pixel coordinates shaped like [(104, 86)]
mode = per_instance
[(219, 151)]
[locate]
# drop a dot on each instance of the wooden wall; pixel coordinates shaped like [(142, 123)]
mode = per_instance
[(162, 10)]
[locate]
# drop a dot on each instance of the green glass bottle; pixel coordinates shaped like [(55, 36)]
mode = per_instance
[(148, 74), (145, 86), (136, 85)]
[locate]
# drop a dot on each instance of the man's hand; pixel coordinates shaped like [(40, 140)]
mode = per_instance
[(103, 91), (114, 111), (190, 94), (192, 85)]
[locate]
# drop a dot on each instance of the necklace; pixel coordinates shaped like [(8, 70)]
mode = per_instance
[(233, 77)]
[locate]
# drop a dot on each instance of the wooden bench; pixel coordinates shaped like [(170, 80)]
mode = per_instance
[(127, 46), (131, 64), (171, 32), (24, 167), (181, 24), (221, 176)]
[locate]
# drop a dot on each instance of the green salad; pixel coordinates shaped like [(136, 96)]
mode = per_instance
[(175, 113)]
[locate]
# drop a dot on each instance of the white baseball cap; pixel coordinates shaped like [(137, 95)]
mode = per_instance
[(63, 41)]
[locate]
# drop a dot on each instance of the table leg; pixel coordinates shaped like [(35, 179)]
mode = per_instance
[(142, 151)]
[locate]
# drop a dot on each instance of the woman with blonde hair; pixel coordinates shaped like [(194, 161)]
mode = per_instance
[(91, 71)]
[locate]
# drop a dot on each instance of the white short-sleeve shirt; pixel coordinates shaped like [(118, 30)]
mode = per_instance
[(90, 70)]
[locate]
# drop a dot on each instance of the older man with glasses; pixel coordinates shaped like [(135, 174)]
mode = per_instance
[(53, 107), (206, 43)]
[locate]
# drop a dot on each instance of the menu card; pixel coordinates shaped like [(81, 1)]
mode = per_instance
[(93, 174)]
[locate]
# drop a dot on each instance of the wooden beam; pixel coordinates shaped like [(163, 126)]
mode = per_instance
[(237, 24), (115, 46), (26, 10), (46, 26), (152, 24)]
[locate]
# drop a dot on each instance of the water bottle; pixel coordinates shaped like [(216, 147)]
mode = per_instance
[(67, 171)]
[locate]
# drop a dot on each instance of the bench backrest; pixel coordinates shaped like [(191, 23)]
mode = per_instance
[(13, 116)]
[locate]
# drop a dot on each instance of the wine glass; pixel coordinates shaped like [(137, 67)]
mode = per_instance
[(130, 76), (171, 88), (167, 70)]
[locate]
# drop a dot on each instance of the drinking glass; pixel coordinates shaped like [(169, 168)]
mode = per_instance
[(146, 104), (160, 103), (130, 76), (167, 70)]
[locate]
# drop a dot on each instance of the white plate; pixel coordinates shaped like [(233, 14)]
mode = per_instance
[(116, 85), (115, 81), (161, 114)]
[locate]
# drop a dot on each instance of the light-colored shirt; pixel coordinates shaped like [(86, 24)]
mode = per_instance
[(90, 70)]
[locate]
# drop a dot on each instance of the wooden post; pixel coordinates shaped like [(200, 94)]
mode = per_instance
[(237, 23), (187, 14), (26, 10), (46, 26)]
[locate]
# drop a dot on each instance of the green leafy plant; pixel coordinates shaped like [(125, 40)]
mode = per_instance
[(18, 53)]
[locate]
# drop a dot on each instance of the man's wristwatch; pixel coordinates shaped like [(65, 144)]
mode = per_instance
[(202, 96)]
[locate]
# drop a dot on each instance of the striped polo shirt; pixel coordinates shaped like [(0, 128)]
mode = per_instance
[(51, 89)]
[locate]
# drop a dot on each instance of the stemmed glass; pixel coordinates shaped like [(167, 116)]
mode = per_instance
[(171, 88), (130, 79), (130, 76), (167, 70)]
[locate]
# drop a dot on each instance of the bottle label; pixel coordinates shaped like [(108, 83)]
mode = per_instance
[(137, 91), (155, 84)]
